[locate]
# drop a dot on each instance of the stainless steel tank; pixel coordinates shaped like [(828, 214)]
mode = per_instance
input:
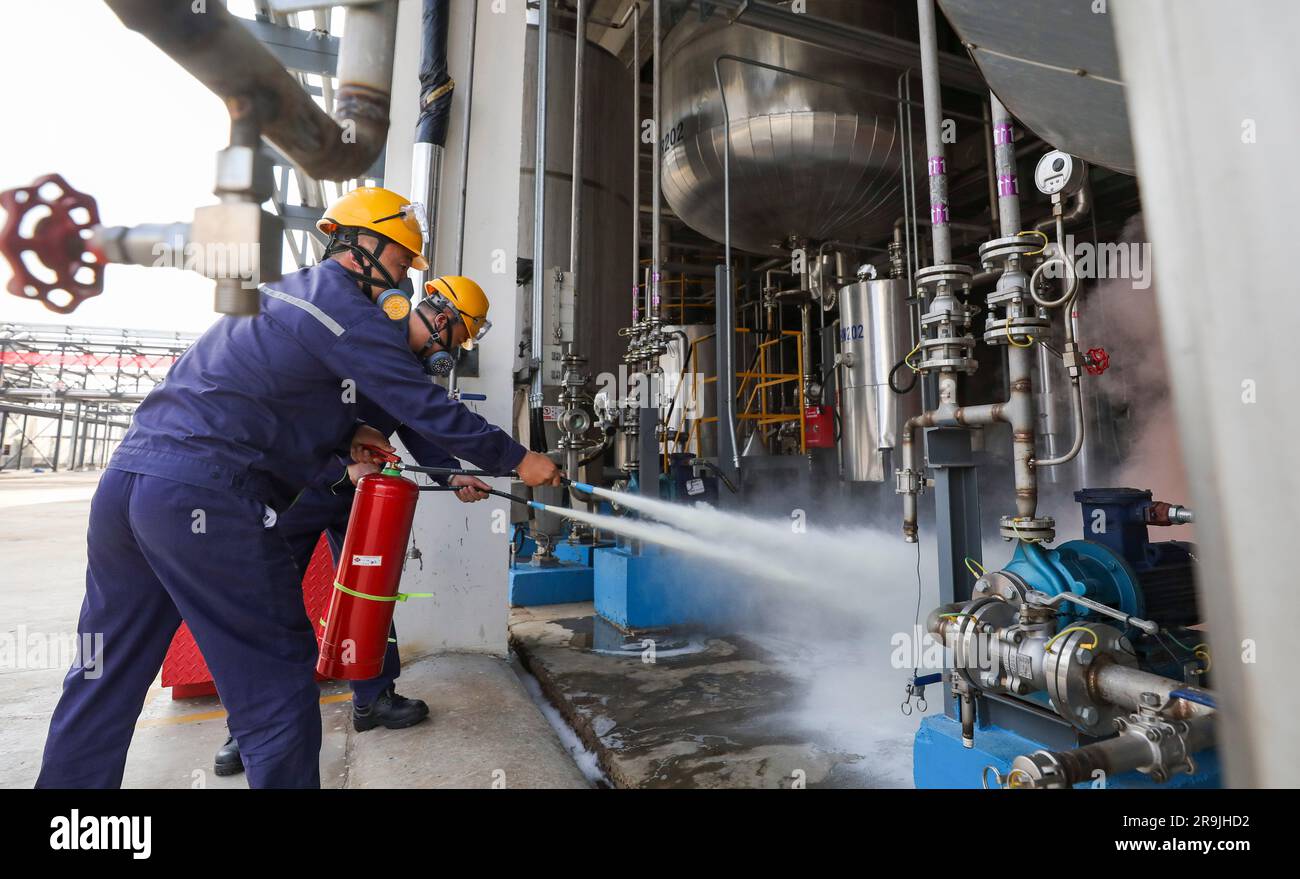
[(874, 336), (1054, 65), (603, 303), (809, 159)]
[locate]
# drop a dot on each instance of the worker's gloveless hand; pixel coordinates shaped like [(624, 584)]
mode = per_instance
[(470, 488), (356, 471), (368, 436), (537, 469)]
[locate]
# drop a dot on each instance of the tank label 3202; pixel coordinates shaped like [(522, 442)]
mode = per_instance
[(367, 561)]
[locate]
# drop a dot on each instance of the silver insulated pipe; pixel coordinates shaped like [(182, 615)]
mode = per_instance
[(539, 205)]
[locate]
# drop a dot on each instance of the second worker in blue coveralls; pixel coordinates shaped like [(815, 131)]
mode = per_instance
[(182, 525)]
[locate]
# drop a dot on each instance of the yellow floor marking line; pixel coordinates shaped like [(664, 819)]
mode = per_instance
[(200, 716)]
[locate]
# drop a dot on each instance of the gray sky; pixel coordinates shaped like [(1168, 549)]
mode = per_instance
[(122, 122)]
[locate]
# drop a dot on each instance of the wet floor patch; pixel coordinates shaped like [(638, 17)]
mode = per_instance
[(714, 711)]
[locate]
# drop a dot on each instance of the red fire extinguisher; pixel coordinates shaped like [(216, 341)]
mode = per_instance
[(355, 636)]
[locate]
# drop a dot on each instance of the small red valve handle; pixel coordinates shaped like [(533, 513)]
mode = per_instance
[(57, 240), (382, 453), (1096, 361)]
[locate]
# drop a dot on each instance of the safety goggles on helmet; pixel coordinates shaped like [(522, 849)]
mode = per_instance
[(411, 216)]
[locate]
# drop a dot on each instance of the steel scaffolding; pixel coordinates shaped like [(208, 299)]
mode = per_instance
[(67, 393)]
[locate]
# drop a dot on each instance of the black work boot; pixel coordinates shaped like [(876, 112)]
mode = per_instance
[(390, 711), (228, 761)]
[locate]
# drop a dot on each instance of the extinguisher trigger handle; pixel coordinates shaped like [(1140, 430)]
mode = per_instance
[(382, 453)]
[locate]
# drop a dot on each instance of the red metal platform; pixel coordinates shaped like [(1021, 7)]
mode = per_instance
[(184, 669)]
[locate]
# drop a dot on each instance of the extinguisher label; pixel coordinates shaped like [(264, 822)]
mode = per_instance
[(367, 561)]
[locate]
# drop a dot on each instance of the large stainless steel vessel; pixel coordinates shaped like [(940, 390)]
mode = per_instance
[(810, 158)]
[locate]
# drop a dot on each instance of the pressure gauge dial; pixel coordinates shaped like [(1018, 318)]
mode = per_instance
[(1060, 173)]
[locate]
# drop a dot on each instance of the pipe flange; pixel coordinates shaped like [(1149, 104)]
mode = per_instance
[(1022, 329), (947, 353), (1001, 249), (1038, 529), (1069, 665), (962, 364), (1001, 585), (954, 274), (971, 644)]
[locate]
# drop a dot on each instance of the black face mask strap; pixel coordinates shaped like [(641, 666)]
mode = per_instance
[(346, 239), (434, 335)]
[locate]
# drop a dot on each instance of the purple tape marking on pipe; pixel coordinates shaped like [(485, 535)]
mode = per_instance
[(939, 214), (1002, 134), (937, 166), (1007, 184)]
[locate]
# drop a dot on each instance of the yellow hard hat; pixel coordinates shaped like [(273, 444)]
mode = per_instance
[(468, 300), (382, 212)]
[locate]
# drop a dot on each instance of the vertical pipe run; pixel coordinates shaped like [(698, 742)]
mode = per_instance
[(539, 203), (58, 436), (575, 201), (994, 178), (426, 178), (656, 169), (464, 142), (1004, 161), (1020, 410), (935, 162), (453, 381), (724, 324), (636, 162), (649, 417)]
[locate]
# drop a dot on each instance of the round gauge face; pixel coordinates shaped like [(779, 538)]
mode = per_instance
[(1057, 172)]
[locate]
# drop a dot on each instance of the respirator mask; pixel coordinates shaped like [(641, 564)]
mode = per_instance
[(438, 364)]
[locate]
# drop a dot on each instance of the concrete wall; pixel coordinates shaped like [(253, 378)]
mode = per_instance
[(463, 557)]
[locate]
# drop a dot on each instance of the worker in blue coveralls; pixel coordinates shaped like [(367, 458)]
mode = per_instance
[(325, 507), (182, 524)]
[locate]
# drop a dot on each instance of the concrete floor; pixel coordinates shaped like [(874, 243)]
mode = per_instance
[(484, 731), (709, 711)]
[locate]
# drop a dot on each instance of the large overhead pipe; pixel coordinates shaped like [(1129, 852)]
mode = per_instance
[(436, 86), (225, 56)]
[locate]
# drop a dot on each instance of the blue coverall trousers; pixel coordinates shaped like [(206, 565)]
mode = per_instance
[(160, 551)]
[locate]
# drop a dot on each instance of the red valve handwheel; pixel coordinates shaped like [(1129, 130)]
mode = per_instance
[(1096, 361), (57, 240)]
